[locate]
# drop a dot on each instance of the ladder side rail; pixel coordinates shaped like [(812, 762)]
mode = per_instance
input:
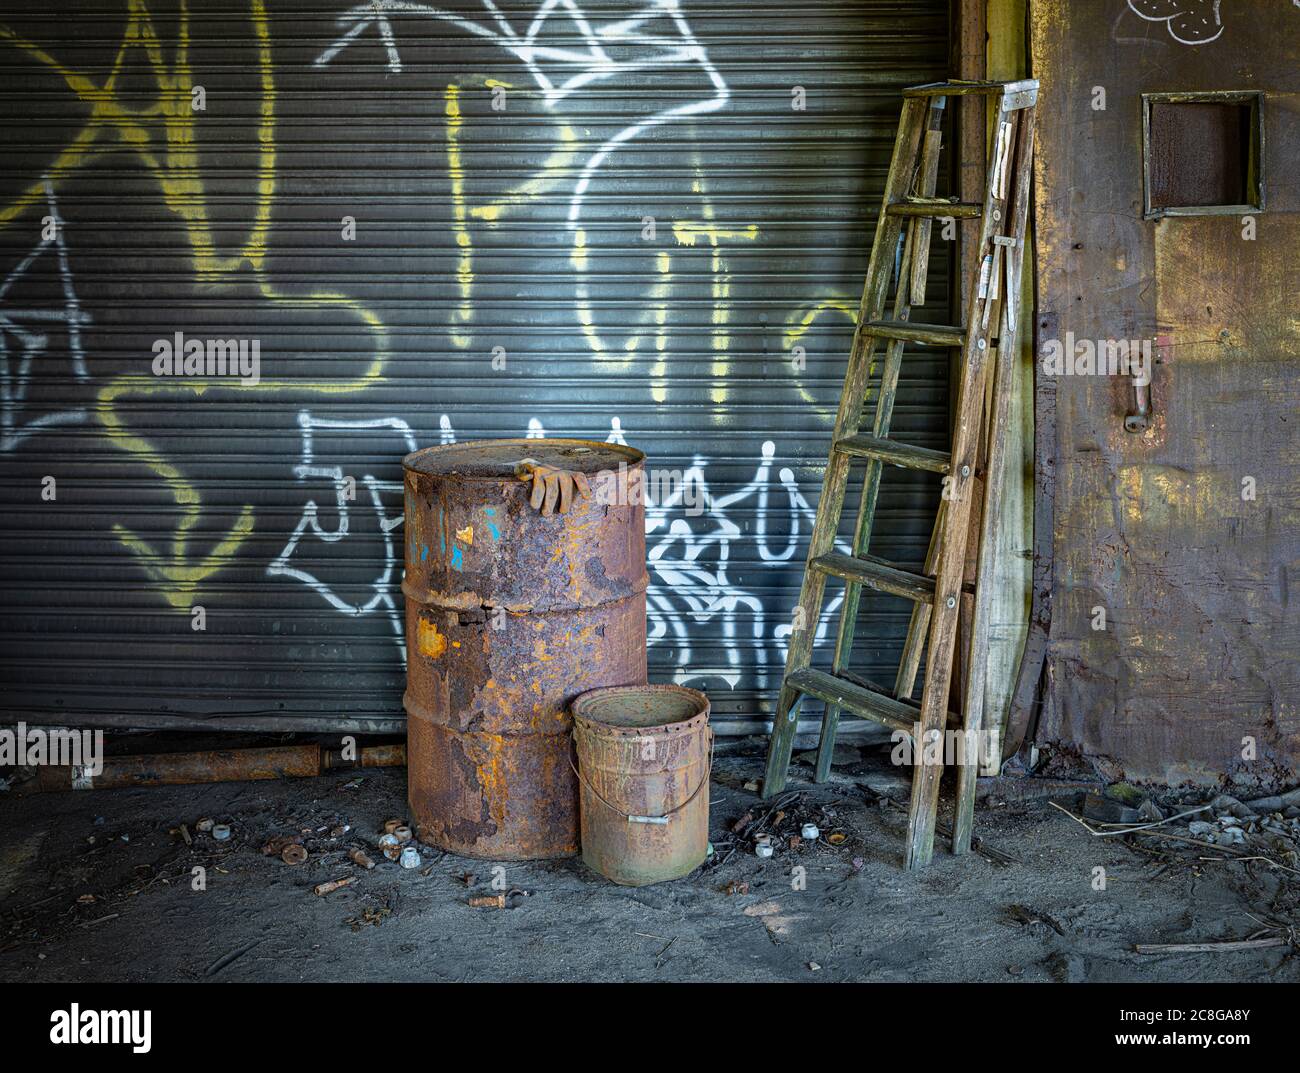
[(847, 420), (994, 483), (952, 543)]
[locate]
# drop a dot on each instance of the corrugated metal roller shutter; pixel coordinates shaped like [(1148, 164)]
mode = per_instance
[(621, 201)]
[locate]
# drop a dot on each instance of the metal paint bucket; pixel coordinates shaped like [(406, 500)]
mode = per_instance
[(510, 614), (644, 758)]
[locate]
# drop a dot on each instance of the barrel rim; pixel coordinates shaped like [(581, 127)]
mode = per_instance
[(591, 724), (411, 462)]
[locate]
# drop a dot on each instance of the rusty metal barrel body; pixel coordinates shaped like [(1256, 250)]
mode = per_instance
[(510, 614), (644, 758)]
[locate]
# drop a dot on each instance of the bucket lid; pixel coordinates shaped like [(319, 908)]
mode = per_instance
[(496, 459), (637, 709)]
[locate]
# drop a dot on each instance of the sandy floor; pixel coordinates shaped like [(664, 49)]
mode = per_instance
[(121, 907)]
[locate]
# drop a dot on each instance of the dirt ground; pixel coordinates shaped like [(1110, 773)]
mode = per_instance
[(97, 886)]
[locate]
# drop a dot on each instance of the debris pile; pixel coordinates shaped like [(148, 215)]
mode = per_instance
[(1268, 825), (1266, 829), (1261, 837), (790, 824), (326, 851), (372, 916)]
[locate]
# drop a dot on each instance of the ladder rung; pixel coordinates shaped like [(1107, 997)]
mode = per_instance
[(896, 454), (935, 207), (957, 89), (877, 574), (867, 703), (931, 334)]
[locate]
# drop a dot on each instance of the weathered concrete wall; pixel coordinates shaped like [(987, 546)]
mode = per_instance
[(1158, 531)]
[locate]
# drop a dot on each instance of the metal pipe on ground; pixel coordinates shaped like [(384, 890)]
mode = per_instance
[(213, 765)]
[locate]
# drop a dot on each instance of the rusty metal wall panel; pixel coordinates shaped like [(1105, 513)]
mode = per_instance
[(522, 229), (1196, 665)]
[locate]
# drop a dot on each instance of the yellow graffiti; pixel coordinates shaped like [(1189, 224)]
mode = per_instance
[(456, 175), (491, 213), (536, 184), (178, 576), (586, 319), (657, 308), (687, 231), (801, 322), (161, 133), (551, 174), (658, 299)]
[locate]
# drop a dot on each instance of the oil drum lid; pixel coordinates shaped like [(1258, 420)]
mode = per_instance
[(494, 460)]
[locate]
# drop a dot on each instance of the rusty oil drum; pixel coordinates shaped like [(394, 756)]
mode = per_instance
[(644, 754), (510, 615)]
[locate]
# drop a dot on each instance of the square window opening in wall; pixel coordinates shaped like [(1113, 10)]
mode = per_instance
[(1202, 153)]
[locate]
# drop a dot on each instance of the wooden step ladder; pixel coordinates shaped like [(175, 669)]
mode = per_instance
[(909, 202)]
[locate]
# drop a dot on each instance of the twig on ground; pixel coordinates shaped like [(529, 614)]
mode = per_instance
[(1079, 820), (1124, 828), (1211, 948), (1228, 856), (1129, 828)]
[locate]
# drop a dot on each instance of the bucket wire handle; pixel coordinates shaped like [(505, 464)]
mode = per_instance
[(661, 820)]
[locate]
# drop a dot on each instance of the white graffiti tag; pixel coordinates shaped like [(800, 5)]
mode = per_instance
[(24, 335), (1190, 22), (692, 537), (690, 570), (382, 590), (656, 36)]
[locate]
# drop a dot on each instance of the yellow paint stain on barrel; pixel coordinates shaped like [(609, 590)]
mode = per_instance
[(491, 778), (466, 534), (430, 641)]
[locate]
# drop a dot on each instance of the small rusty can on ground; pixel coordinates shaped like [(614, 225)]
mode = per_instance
[(644, 756), (511, 614)]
